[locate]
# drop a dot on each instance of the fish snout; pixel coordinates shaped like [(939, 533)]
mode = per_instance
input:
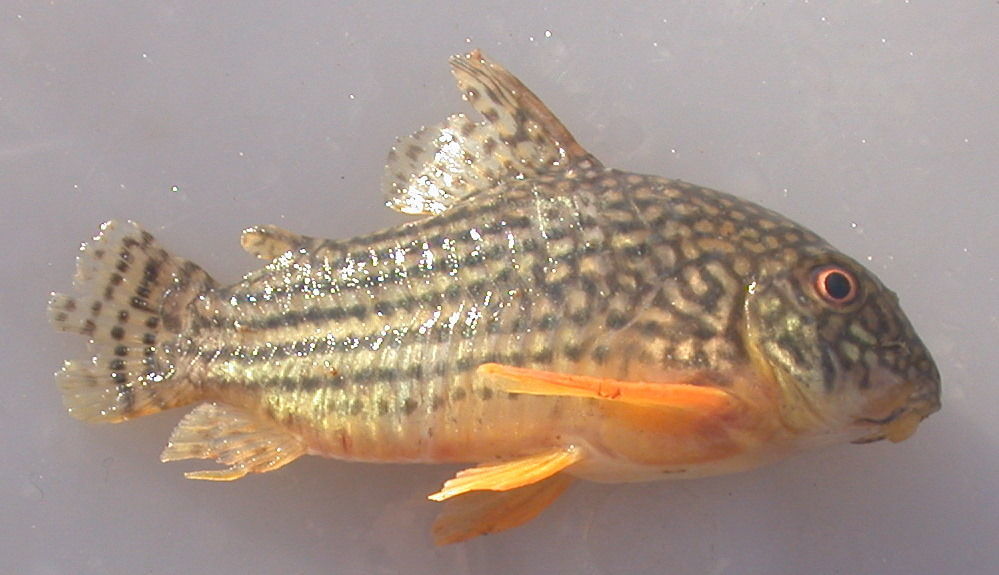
[(911, 399)]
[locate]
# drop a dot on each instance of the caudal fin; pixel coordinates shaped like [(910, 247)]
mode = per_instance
[(131, 299)]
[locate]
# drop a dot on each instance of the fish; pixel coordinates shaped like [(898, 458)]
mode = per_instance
[(541, 318)]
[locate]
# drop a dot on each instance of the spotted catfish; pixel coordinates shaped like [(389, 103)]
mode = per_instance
[(546, 318)]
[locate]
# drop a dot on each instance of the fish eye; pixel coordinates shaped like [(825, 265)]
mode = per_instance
[(835, 285)]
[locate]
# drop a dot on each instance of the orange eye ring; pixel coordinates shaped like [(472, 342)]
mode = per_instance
[(835, 285)]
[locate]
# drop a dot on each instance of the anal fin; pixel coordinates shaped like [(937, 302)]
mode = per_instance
[(482, 512), (232, 437), (507, 475)]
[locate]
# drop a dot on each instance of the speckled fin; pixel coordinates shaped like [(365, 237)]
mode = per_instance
[(130, 299), (684, 395), (268, 242), (508, 475), (435, 167), (483, 512), (233, 437)]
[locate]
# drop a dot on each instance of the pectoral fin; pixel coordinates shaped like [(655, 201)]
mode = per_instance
[(509, 475), (232, 437), (483, 512), (679, 395)]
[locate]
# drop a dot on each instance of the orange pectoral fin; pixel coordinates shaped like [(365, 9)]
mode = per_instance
[(678, 395)]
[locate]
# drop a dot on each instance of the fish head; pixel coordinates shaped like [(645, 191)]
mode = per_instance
[(847, 360)]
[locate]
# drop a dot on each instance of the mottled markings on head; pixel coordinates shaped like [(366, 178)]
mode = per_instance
[(863, 381), (790, 343)]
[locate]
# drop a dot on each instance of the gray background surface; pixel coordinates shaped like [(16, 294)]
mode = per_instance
[(874, 123)]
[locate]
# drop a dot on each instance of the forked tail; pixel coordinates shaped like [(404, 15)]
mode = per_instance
[(132, 299)]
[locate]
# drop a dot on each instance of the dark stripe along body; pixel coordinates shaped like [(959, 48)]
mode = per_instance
[(374, 341)]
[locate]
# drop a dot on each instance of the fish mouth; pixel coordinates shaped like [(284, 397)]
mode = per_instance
[(898, 425), (906, 402)]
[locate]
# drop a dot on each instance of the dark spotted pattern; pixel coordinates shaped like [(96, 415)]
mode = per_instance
[(531, 254), (127, 290)]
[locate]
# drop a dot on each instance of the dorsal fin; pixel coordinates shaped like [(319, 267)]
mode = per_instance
[(430, 170)]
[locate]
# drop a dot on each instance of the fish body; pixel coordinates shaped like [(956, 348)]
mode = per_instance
[(545, 317)]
